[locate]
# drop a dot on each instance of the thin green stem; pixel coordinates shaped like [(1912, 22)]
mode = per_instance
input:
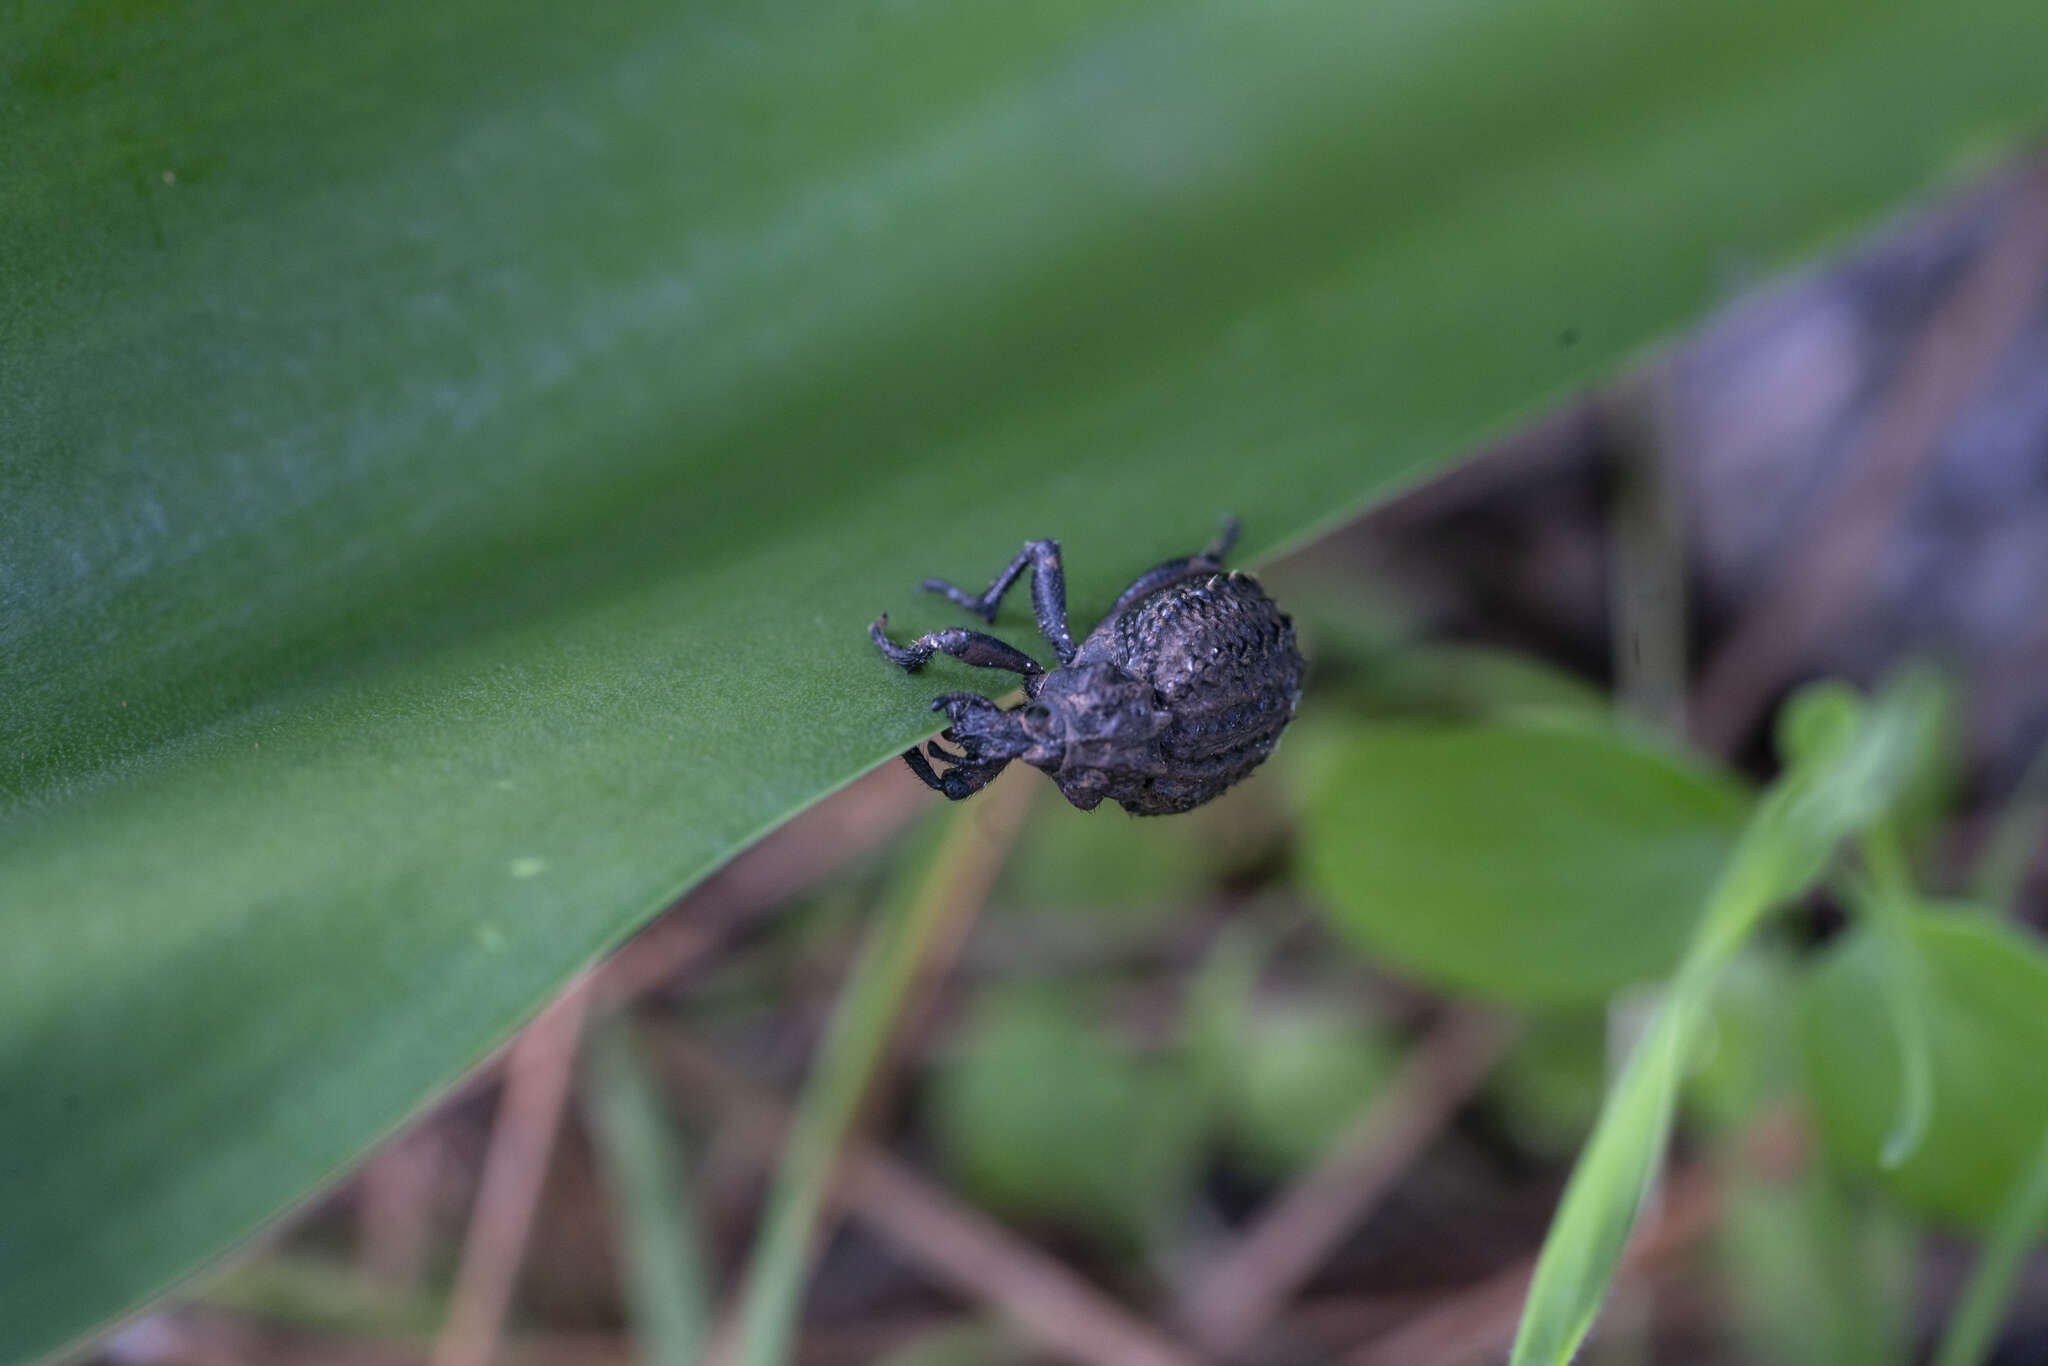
[(667, 1282), (1970, 1334), (856, 1044), (1849, 768), (2002, 868), (1887, 898)]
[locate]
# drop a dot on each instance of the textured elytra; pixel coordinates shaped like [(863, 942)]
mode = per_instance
[(1179, 692)]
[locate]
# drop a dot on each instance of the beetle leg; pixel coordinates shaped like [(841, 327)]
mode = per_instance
[(1209, 561), (972, 647), (1048, 593), (983, 730), (961, 781), (923, 769), (965, 781)]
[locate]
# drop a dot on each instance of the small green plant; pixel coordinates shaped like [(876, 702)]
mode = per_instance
[(1610, 863)]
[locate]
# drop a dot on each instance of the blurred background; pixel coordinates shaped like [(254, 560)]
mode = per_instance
[(1157, 1091)]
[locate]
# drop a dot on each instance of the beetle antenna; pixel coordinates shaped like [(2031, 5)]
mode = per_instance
[(1225, 539)]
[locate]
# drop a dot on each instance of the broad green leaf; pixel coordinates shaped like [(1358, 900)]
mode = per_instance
[(449, 452), (1533, 864), (1987, 982)]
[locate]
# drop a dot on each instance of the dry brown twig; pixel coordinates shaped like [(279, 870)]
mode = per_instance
[(537, 1070), (1230, 1299), (205, 1337), (1828, 575), (395, 1208), (962, 886), (956, 1246)]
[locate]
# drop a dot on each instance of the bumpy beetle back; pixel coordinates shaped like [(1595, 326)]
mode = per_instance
[(1222, 657), (1181, 691)]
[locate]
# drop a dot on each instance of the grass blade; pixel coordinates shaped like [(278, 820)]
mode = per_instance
[(667, 1282), (1849, 764), (1888, 899), (1968, 1339), (967, 859)]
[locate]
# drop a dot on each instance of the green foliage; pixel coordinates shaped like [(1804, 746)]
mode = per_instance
[(1746, 1058), (1971, 1332), (1453, 681), (1538, 864), (1106, 870), (323, 1292), (1283, 1078), (1816, 1275), (1846, 766), (1040, 1116), (1886, 900), (452, 450), (1813, 1269), (1548, 1087), (668, 1284), (1300, 1074), (909, 923), (1989, 1033)]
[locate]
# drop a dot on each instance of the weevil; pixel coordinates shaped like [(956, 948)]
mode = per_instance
[(1180, 691)]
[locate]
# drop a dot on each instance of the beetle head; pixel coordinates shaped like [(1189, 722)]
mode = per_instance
[(1088, 722)]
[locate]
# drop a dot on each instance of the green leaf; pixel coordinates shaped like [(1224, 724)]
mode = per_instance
[(1888, 902), (1300, 1072), (1044, 1120), (1988, 1033), (1839, 776), (1531, 864), (451, 450)]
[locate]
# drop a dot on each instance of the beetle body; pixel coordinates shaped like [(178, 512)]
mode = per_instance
[(1180, 692)]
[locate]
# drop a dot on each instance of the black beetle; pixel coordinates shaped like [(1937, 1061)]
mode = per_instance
[(1180, 691)]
